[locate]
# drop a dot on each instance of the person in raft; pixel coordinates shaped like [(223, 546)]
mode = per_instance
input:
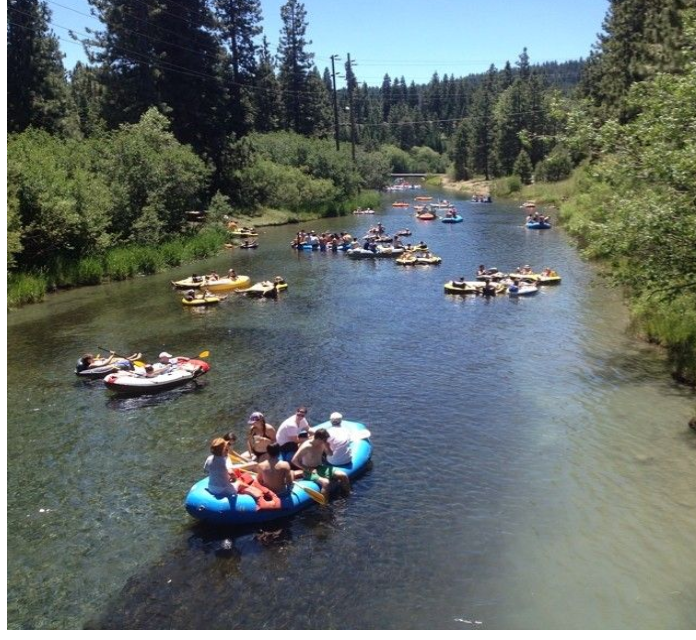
[(261, 434), (340, 442), (287, 434), (166, 363), (310, 458), (274, 473), (87, 362), (221, 481)]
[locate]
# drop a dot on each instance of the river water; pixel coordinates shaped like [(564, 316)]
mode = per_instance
[(532, 466)]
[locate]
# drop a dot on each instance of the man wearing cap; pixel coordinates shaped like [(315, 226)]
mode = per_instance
[(166, 363), (288, 431), (339, 441)]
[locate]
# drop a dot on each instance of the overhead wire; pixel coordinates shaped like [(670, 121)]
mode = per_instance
[(168, 66)]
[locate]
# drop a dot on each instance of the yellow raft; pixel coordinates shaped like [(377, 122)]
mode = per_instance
[(200, 301), (244, 233), (226, 284)]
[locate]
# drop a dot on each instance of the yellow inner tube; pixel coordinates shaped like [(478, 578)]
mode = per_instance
[(225, 284)]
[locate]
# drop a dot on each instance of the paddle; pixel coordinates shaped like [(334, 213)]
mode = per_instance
[(202, 354), (118, 355), (317, 496)]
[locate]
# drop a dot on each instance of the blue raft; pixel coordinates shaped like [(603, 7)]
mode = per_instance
[(241, 509), (452, 219), (538, 225)]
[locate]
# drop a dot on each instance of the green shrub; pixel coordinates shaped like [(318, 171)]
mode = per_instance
[(149, 260), (514, 184), (121, 263), (25, 288), (173, 253), (89, 271)]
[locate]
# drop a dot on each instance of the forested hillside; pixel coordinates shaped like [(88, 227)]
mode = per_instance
[(183, 101)]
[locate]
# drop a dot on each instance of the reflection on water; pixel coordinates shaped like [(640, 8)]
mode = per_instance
[(532, 465)]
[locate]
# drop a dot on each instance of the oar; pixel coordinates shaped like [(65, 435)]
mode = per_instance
[(118, 355), (202, 354), (317, 496)]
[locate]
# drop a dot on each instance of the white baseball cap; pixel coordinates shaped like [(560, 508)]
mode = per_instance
[(164, 354), (335, 416)]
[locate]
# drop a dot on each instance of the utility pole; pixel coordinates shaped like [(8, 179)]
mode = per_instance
[(335, 99), (350, 79)]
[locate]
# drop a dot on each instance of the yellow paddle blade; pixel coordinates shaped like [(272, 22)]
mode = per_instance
[(317, 496), (137, 363), (204, 354), (236, 457)]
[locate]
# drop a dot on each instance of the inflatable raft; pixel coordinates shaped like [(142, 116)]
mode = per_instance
[(538, 225), (137, 383), (244, 233), (469, 287), (202, 301), (95, 373), (453, 219), (190, 283), (241, 509), (226, 284), (523, 290), (265, 289)]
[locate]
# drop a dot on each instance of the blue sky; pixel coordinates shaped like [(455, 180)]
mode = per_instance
[(413, 38)]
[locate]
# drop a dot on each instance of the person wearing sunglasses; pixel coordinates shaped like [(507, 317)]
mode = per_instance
[(287, 435)]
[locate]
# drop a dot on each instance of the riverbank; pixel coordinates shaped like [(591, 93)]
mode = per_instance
[(121, 263)]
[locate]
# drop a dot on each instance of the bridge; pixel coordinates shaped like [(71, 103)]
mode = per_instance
[(408, 175)]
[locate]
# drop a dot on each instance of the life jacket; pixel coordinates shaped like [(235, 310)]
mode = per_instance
[(264, 497)]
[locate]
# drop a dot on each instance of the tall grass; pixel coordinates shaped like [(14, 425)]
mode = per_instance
[(118, 263), (24, 288), (364, 200), (671, 324)]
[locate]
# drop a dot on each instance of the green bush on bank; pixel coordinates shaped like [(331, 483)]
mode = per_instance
[(672, 324), (25, 288), (116, 264)]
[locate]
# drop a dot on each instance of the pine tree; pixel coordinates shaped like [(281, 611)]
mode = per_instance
[(239, 23), (523, 167), (88, 97), (460, 152), (640, 39), (481, 139), (37, 92), (295, 67), (386, 94), (163, 55), (267, 99)]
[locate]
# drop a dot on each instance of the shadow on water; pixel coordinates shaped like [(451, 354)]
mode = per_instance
[(218, 569), (119, 402)]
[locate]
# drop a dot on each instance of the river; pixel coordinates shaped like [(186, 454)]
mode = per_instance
[(532, 467)]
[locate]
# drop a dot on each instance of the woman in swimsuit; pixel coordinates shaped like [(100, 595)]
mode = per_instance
[(261, 434)]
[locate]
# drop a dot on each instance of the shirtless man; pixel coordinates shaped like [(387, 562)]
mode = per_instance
[(275, 473), (309, 458)]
